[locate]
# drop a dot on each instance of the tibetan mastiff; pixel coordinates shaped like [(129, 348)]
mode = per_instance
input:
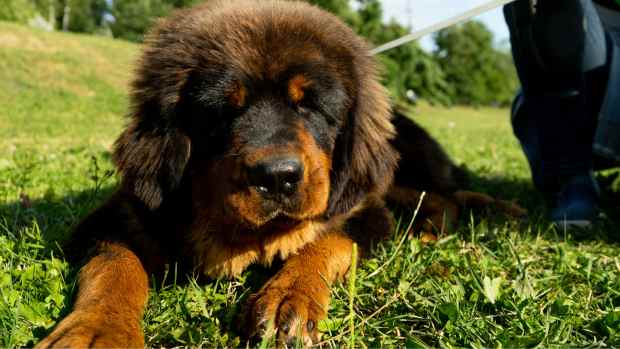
[(258, 132)]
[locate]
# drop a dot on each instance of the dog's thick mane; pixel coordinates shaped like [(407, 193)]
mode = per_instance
[(249, 116)]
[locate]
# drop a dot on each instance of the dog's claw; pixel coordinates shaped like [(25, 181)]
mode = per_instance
[(291, 309)]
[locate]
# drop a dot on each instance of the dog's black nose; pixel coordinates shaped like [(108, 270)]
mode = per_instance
[(276, 176)]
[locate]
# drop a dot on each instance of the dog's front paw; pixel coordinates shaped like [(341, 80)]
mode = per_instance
[(85, 329), (291, 307)]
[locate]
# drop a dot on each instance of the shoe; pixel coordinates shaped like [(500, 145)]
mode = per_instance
[(577, 202)]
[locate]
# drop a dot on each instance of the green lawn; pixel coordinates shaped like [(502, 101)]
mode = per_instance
[(489, 283)]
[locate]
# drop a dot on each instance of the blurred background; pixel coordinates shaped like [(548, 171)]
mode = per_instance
[(469, 64), (65, 67)]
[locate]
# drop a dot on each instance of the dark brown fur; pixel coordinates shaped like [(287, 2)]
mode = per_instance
[(220, 89), (425, 167)]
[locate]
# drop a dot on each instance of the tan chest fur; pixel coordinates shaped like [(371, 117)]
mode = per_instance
[(217, 258)]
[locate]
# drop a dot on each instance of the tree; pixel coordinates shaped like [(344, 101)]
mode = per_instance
[(84, 16), (132, 18), (17, 10), (340, 8), (465, 68), (503, 79), (478, 73), (407, 67)]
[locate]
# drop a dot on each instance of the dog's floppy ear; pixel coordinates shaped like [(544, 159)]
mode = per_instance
[(152, 152), (151, 161), (364, 161)]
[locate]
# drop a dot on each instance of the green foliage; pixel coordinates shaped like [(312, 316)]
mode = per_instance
[(182, 3), (17, 10), (340, 8), (478, 73), (465, 69), (132, 18), (86, 16), (404, 68), (410, 68), (32, 285), (489, 282)]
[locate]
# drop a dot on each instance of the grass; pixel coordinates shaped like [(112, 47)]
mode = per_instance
[(491, 282)]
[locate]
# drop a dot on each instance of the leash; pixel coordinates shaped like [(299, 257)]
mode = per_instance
[(490, 5)]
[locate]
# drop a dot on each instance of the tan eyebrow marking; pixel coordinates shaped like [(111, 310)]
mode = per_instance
[(237, 95), (297, 86)]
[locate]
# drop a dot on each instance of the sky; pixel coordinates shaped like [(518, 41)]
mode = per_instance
[(420, 13)]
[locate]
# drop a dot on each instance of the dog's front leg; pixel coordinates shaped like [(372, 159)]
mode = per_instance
[(113, 288), (296, 298)]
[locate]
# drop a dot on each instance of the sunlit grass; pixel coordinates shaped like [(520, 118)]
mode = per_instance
[(490, 282)]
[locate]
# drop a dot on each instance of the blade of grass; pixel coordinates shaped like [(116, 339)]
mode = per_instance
[(352, 289), (402, 240)]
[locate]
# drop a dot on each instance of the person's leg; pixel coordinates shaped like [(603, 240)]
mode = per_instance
[(559, 51), (607, 138)]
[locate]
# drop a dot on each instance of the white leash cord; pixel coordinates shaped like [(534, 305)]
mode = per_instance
[(440, 25)]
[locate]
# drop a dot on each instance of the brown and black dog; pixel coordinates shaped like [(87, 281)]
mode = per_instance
[(258, 132)]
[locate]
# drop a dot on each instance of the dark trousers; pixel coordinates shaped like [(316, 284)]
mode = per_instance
[(563, 57)]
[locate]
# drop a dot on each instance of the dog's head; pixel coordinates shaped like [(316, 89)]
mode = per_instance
[(267, 110)]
